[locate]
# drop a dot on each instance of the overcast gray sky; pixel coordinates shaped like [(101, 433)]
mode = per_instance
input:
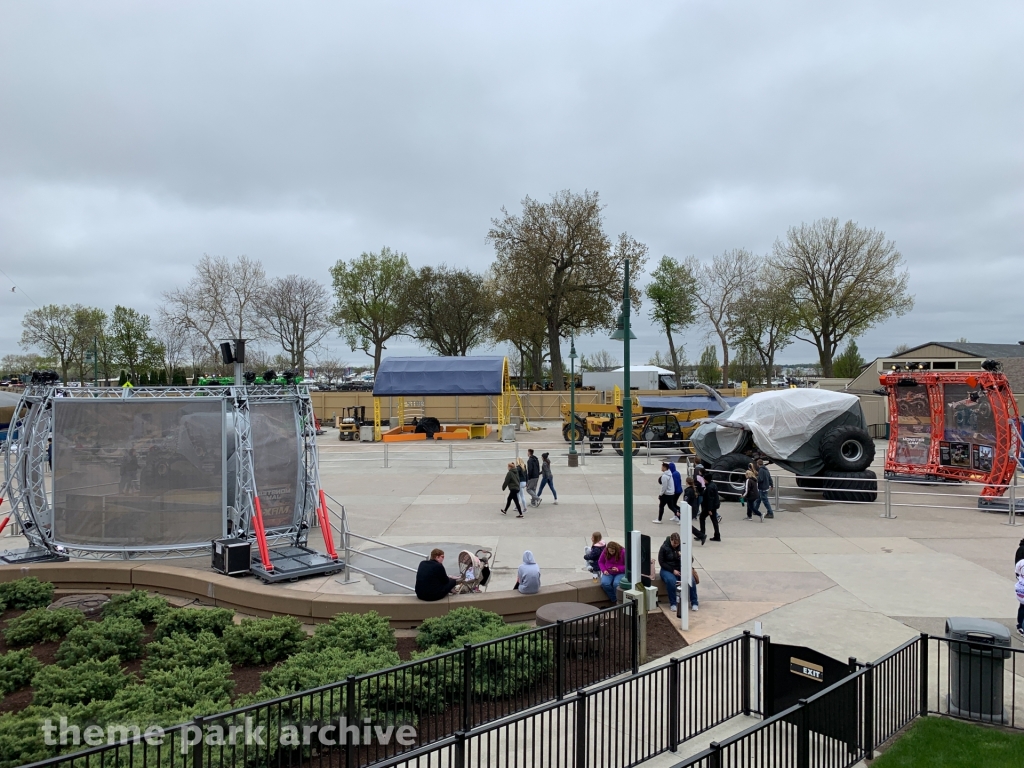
[(134, 137)]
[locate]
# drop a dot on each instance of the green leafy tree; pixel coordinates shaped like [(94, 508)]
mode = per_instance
[(130, 335), (849, 364), (371, 300), (845, 280), (673, 307), (746, 366), (51, 330), (708, 370), (557, 262), (451, 309)]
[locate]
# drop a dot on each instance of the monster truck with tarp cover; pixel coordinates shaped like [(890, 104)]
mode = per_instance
[(818, 435)]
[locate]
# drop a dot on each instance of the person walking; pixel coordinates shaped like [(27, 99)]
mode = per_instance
[(692, 498), (546, 478), (709, 504), (764, 484), (750, 494), (668, 489), (677, 480), (528, 576), (1019, 570), (532, 477), (521, 469), (511, 485), (612, 565), (669, 559)]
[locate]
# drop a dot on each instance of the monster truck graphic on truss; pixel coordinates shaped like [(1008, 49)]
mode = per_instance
[(818, 435)]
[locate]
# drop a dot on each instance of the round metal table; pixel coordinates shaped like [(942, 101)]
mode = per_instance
[(553, 612)]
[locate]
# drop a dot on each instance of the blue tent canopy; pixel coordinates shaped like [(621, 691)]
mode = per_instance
[(439, 376)]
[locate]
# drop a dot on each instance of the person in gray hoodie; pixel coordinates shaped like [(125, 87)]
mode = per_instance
[(528, 578)]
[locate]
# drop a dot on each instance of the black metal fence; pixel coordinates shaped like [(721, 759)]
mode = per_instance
[(438, 697)]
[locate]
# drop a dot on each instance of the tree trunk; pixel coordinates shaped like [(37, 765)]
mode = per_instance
[(825, 355), (377, 349), (557, 378), (672, 354), (725, 359), (537, 364)]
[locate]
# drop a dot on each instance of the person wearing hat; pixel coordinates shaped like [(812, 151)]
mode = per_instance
[(546, 478)]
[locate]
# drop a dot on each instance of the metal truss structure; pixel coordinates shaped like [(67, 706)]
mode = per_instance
[(25, 457)]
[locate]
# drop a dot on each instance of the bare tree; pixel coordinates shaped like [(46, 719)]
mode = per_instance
[(718, 285), (175, 341), (767, 318), (602, 360), (845, 279), (331, 368), (296, 312), (564, 266), (220, 301)]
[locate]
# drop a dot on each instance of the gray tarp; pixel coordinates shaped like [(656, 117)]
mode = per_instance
[(439, 376), (786, 425), (685, 403)]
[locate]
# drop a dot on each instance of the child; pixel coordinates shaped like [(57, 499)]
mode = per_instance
[(593, 553)]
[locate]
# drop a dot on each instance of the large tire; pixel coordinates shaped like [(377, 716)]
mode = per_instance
[(850, 486), (617, 443), (847, 449), (429, 426), (728, 474), (567, 434), (810, 483)]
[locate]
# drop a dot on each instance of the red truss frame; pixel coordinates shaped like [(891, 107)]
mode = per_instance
[(1004, 412)]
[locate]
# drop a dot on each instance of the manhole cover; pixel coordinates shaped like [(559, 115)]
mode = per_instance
[(90, 605)]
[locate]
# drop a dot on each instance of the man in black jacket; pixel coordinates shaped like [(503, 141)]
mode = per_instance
[(709, 504), (669, 559), (532, 477), (432, 580)]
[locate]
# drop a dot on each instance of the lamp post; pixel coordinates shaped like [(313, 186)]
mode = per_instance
[(623, 334), (574, 459)]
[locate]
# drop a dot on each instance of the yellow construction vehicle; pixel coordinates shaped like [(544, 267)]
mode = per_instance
[(594, 422), (353, 418), (661, 430)]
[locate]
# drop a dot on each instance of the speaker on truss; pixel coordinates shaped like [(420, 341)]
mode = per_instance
[(239, 350), (225, 353)]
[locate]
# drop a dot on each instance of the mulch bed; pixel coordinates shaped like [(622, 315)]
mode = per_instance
[(663, 638)]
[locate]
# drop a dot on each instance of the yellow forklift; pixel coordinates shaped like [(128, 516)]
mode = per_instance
[(353, 417), (661, 430)]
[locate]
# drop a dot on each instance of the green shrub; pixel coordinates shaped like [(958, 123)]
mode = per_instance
[(90, 680), (137, 604), (263, 641), (26, 593), (119, 636), (185, 687), (309, 669), (450, 631), (21, 739), (40, 625), (17, 668), (180, 650), (355, 633), (192, 621)]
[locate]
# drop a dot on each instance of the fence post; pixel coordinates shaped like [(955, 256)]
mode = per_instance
[(776, 488), (634, 639), (768, 680), (869, 710), (467, 687), (1013, 501), (715, 758), (887, 496), (450, 456), (582, 728), (674, 696), (460, 750), (803, 737), (648, 452), (197, 748), (924, 674), (746, 671), (385, 455), (560, 659), (350, 718)]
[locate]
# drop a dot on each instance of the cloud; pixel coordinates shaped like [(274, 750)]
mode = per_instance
[(136, 137)]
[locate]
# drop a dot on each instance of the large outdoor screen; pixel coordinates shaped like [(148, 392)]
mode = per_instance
[(969, 436), (914, 430), (138, 473), (276, 451)]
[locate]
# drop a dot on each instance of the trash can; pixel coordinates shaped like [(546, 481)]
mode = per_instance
[(977, 649)]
